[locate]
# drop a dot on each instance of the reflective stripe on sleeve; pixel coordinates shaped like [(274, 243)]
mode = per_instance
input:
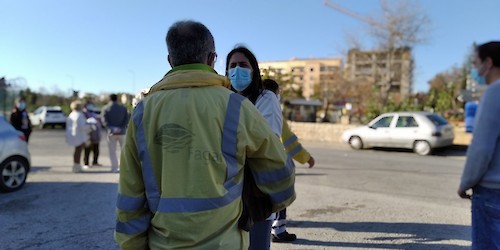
[(128, 203), (290, 140), (295, 150), (134, 226), (282, 196), (273, 176)]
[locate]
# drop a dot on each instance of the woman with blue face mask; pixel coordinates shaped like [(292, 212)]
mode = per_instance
[(481, 172), (242, 69), (19, 118)]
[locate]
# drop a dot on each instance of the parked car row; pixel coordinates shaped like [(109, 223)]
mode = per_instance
[(420, 131)]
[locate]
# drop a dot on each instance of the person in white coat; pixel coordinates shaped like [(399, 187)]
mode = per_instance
[(77, 133)]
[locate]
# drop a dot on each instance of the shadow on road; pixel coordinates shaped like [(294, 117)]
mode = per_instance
[(425, 236), (453, 150)]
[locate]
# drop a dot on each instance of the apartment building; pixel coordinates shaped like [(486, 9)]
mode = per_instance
[(307, 74), (394, 73)]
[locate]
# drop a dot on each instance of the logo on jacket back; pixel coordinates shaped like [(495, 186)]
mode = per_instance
[(173, 137)]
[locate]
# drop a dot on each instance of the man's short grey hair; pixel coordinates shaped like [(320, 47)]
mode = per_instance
[(189, 42)]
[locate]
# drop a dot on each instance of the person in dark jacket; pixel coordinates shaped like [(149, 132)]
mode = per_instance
[(20, 119), (115, 119)]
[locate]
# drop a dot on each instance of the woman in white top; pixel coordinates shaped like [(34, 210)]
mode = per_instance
[(243, 72), (77, 133)]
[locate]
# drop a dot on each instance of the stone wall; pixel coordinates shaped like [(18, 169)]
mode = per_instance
[(330, 132)]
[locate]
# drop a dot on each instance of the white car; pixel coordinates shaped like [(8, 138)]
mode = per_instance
[(48, 116), (14, 157), (420, 131)]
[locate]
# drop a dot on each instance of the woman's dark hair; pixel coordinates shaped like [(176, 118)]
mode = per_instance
[(255, 88), (491, 50), (270, 84)]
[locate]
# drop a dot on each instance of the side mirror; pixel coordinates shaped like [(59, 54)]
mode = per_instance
[(372, 127)]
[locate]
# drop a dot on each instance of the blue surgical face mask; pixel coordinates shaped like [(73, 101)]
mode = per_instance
[(480, 80), (240, 78), (21, 105)]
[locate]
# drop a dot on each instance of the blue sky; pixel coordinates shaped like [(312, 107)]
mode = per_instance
[(119, 46)]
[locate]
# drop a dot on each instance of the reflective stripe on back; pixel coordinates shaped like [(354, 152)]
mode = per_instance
[(152, 193), (229, 149), (230, 137)]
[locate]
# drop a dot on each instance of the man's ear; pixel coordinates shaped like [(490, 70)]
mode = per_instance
[(211, 60), (169, 61), (489, 62)]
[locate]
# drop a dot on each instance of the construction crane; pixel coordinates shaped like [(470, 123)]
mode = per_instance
[(351, 13), (387, 76)]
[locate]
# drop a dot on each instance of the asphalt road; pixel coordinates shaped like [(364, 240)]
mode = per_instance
[(368, 199)]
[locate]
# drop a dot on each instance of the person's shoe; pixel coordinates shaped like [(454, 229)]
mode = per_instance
[(77, 168), (96, 165), (85, 167), (284, 237), (115, 170)]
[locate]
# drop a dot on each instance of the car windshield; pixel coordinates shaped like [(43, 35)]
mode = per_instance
[(437, 119), (384, 122), (54, 111)]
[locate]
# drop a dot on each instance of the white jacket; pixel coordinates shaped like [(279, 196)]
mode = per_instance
[(77, 131)]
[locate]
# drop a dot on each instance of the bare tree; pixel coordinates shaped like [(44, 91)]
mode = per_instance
[(400, 25)]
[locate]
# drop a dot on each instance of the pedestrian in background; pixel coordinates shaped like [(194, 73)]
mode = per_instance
[(181, 176), (295, 151), (114, 118), (94, 136), (77, 133), (243, 71), (482, 167), (20, 118)]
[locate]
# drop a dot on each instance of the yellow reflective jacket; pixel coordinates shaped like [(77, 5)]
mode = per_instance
[(181, 168), (293, 146)]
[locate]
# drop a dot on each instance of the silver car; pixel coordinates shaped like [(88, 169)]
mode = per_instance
[(14, 157), (420, 131)]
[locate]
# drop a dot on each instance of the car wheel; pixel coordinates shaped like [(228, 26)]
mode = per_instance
[(422, 148), (13, 173), (356, 142)]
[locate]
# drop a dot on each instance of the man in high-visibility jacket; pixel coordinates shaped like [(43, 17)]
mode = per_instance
[(296, 152), (181, 169)]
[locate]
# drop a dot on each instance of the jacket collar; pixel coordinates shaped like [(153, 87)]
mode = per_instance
[(190, 75)]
